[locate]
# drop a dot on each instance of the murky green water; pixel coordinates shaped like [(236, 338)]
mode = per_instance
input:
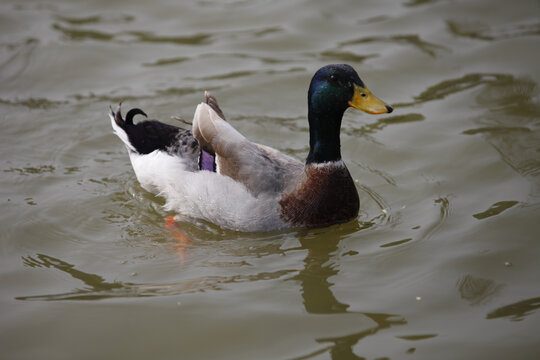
[(442, 263)]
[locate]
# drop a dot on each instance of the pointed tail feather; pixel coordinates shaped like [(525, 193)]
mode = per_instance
[(119, 126), (212, 102)]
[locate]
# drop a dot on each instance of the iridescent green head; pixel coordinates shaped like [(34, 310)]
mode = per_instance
[(333, 89)]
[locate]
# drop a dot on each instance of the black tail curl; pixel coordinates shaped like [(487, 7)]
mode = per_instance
[(129, 116), (131, 113), (149, 135)]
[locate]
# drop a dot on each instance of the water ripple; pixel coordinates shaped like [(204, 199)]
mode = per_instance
[(410, 39), (167, 61), (32, 170), (97, 288), (444, 211), (496, 130), (345, 56), (495, 209), (452, 86), (381, 123), (476, 290), (483, 31), (96, 19), (389, 179), (516, 311), (385, 215), (78, 34), (515, 135), (418, 2), (33, 103), (18, 62), (146, 36)]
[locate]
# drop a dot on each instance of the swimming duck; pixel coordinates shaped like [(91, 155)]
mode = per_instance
[(215, 174)]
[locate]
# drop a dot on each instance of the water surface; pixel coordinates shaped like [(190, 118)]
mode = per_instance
[(442, 262)]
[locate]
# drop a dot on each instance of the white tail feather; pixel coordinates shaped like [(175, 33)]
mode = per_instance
[(118, 131)]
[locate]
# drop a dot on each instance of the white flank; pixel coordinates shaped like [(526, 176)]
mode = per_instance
[(205, 195)]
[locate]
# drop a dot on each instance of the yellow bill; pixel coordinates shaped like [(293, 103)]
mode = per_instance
[(364, 100)]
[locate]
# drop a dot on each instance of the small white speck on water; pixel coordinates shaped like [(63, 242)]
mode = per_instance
[(508, 264), (123, 262), (133, 274), (384, 211), (356, 181), (179, 303), (418, 298)]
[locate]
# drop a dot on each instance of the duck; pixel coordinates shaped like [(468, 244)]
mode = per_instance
[(215, 174)]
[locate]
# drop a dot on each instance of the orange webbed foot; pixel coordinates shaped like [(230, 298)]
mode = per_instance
[(176, 231)]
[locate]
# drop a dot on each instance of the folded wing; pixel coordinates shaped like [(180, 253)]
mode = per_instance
[(260, 168)]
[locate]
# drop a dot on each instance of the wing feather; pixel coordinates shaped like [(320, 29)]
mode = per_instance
[(260, 168)]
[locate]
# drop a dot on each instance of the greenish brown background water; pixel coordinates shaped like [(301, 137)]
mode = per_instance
[(442, 263)]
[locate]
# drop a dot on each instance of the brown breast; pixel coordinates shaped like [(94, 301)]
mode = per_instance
[(326, 195)]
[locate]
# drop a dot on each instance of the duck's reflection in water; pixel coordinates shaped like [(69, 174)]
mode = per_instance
[(319, 266)]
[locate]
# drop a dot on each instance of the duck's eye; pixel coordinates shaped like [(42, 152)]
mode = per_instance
[(364, 95), (333, 78)]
